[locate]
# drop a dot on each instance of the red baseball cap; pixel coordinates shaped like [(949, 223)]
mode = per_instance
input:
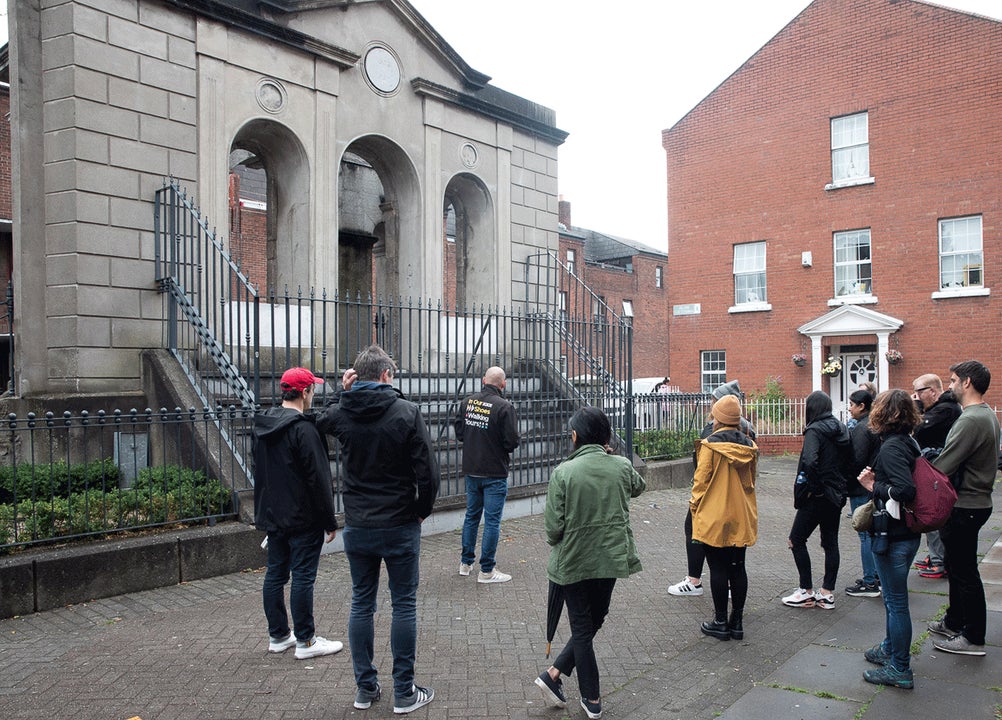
[(299, 379)]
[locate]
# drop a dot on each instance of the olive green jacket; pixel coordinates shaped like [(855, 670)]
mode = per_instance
[(587, 517)]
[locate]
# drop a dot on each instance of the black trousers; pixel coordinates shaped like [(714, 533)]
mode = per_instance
[(587, 605), (968, 611)]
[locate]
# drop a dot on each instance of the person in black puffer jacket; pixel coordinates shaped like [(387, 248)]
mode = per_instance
[(894, 416), (819, 495)]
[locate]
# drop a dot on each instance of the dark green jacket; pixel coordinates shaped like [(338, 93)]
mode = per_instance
[(587, 517)]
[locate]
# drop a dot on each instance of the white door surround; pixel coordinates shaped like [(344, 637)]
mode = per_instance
[(850, 320)]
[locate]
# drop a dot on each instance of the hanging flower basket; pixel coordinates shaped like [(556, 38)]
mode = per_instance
[(894, 356), (799, 359), (832, 367)]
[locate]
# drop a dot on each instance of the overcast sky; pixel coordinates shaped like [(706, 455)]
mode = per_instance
[(616, 75)]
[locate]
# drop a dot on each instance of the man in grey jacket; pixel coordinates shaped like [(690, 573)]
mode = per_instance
[(972, 448)]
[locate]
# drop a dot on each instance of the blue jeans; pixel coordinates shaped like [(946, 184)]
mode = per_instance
[(865, 555), (893, 567), (484, 496), (399, 547), (300, 555)]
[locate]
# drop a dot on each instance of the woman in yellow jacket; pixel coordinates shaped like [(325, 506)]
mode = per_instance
[(725, 514)]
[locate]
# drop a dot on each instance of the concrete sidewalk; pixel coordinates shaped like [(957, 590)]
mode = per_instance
[(198, 650)]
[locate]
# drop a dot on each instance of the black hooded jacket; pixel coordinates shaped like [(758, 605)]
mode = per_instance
[(390, 474), (292, 474), (937, 421), (826, 457)]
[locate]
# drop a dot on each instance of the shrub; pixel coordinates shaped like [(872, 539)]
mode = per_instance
[(160, 496), (768, 407), (664, 444), (41, 482)]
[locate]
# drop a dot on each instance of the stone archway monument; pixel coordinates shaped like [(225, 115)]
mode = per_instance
[(173, 87)]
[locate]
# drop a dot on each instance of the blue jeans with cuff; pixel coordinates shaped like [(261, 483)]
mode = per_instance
[(484, 496)]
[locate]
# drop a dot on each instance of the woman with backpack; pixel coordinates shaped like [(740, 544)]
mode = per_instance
[(893, 417), (818, 495)]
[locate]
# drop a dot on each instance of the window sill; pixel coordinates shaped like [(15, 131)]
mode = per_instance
[(750, 307), (961, 292), (852, 300), (850, 183)]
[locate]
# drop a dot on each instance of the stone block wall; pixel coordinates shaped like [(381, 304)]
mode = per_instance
[(117, 95)]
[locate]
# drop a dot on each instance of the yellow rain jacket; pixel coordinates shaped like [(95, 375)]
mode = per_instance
[(724, 510)]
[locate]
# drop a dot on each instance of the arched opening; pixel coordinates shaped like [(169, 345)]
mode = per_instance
[(269, 203), (380, 242), (470, 252)]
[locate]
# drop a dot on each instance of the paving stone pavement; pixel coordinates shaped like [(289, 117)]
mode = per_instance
[(198, 650)]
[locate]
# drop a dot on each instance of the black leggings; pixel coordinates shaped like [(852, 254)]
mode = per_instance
[(727, 572), (817, 512), (695, 553)]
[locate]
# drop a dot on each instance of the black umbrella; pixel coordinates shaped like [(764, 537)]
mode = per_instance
[(554, 608)]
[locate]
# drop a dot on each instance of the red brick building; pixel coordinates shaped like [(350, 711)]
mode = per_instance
[(839, 195), (630, 277)]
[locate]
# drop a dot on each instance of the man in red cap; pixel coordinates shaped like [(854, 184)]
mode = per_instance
[(294, 504)]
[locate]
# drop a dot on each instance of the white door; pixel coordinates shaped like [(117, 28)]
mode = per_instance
[(856, 369)]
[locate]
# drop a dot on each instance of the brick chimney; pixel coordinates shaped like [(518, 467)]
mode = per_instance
[(564, 212)]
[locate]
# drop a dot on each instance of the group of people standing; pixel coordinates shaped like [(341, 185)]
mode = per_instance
[(870, 458), (391, 480)]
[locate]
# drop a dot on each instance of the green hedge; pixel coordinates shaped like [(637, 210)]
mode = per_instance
[(159, 496), (664, 444), (41, 482)]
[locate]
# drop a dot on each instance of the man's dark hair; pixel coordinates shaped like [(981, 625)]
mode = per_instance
[(981, 377), (291, 394), (862, 397), (592, 427), (372, 362)]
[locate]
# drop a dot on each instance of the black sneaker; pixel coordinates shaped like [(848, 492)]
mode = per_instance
[(592, 709), (553, 690), (863, 589)]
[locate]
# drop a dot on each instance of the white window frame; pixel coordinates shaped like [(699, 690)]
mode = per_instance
[(969, 230), (572, 261), (862, 291), (746, 265), (659, 277), (712, 364), (850, 150)]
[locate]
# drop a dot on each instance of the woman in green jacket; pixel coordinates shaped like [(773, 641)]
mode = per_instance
[(587, 521)]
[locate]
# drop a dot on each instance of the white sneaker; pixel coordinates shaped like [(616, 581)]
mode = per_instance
[(317, 647), (494, 576), (825, 602), (685, 588), (464, 569), (801, 598), (277, 646)]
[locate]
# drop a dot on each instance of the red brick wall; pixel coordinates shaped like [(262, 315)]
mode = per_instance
[(650, 307), (750, 163), (249, 239)]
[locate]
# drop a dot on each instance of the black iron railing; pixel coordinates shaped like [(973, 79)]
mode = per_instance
[(77, 476)]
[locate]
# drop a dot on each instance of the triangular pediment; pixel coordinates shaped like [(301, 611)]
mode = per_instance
[(851, 320)]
